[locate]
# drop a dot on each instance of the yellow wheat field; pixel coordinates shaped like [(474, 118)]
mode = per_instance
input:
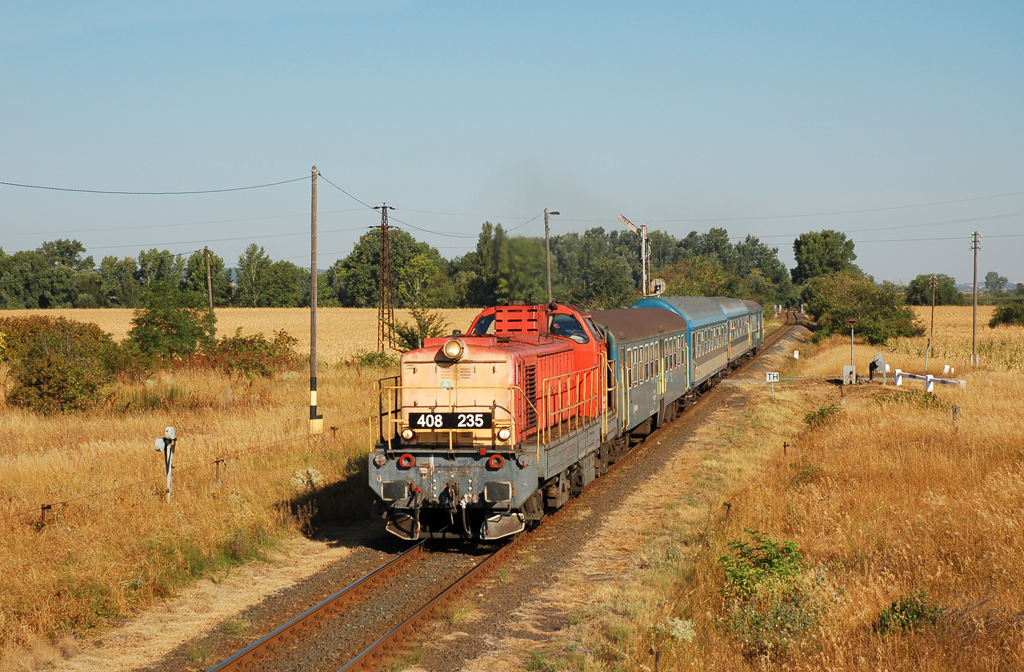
[(1001, 348), (341, 332)]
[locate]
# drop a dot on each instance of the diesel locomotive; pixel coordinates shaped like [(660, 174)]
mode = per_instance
[(483, 432)]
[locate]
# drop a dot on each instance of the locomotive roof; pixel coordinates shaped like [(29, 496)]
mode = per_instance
[(632, 324)]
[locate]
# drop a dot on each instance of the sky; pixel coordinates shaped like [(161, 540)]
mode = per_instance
[(897, 123)]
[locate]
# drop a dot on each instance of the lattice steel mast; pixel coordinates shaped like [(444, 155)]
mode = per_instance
[(385, 295)]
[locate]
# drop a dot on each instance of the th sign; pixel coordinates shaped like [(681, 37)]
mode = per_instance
[(771, 377)]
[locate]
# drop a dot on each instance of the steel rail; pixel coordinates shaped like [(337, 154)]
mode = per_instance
[(385, 647), (247, 656)]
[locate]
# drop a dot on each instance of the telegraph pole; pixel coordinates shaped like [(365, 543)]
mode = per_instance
[(385, 300), (975, 245), (547, 247), (316, 421), (209, 280), (931, 333)]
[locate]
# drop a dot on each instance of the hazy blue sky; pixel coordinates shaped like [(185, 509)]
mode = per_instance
[(681, 115)]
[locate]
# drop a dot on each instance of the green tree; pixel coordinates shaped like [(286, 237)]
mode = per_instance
[(159, 266), (220, 277), (606, 283), (414, 266), (254, 268), (66, 253), (820, 253), (994, 283), (171, 323), (881, 312), (919, 291), (119, 284)]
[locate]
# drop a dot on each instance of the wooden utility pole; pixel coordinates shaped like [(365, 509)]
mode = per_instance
[(975, 245), (209, 280), (316, 422), (931, 333)]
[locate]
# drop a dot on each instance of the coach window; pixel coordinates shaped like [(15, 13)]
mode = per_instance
[(567, 326)]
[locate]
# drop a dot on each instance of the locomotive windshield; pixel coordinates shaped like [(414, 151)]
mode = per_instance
[(567, 326), (484, 326)]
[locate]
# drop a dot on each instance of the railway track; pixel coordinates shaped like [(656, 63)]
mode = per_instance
[(259, 653)]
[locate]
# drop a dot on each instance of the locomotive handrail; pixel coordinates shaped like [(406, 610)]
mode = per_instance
[(586, 378)]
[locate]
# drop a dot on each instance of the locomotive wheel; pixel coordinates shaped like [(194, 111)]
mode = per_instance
[(576, 484)]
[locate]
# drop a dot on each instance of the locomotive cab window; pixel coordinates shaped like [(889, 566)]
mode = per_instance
[(484, 326), (567, 326)]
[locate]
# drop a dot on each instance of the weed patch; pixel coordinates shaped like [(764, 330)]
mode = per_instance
[(910, 612), (823, 415)]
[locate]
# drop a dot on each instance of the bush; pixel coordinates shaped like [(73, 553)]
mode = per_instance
[(252, 355), (771, 604), (822, 416), (1008, 313), (425, 324), (22, 333), (58, 365), (171, 324), (908, 613), (374, 358), (55, 376)]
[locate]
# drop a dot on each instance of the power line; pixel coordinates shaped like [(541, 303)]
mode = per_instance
[(224, 240), (153, 193), (919, 240), (905, 226), (817, 214), (160, 226)]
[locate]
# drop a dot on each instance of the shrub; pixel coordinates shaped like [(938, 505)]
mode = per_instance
[(58, 365), (912, 398), (1008, 313), (823, 415), (374, 358), (55, 376), (171, 324), (908, 613), (771, 604), (22, 333), (425, 324), (252, 355)]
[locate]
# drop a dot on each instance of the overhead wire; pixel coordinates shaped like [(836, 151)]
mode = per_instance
[(820, 214), (135, 227), (154, 193)]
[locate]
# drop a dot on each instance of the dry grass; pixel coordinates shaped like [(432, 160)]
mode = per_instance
[(341, 332), (884, 501), (112, 544)]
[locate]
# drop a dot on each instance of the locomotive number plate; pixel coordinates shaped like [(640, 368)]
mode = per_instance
[(450, 420)]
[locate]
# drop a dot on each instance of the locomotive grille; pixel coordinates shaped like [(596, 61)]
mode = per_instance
[(530, 387)]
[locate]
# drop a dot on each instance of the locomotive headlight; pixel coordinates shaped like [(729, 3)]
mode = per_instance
[(408, 434), (454, 349), (504, 433)]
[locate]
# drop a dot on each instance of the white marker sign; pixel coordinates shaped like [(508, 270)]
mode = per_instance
[(771, 377)]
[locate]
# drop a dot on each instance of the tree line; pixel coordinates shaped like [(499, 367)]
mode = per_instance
[(593, 269)]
